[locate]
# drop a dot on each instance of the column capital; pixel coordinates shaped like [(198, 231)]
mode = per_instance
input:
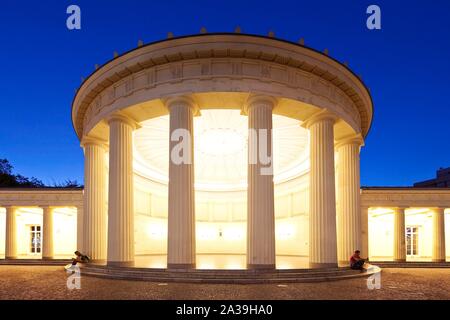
[(47, 207), (258, 99), (399, 208), (87, 140), (322, 115), (356, 139), (185, 100), (118, 116), (438, 209)]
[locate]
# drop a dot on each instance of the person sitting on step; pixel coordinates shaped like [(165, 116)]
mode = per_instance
[(80, 258), (356, 262)]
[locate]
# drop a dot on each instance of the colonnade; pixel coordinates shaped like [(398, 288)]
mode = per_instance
[(106, 220), (114, 242), (399, 238), (47, 234)]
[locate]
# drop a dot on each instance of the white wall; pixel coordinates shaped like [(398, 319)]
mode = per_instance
[(381, 236), (221, 224)]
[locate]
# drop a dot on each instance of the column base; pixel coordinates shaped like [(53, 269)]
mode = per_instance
[(11, 258), (344, 263), (120, 263), (317, 265), (181, 266), (98, 261), (48, 258), (400, 260), (252, 266), (437, 260)]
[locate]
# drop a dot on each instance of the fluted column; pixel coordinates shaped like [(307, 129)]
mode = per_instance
[(181, 219), (11, 233), (121, 192), (438, 253), (80, 229), (260, 192), (47, 227), (364, 232), (399, 235), (94, 198), (322, 197), (349, 198)]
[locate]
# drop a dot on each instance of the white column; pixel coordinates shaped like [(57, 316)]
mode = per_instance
[(260, 192), (365, 232), (349, 198), (322, 197), (399, 235), (94, 197), (121, 192), (181, 219), (11, 233), (47, 227), (80, 229), (438, 253)]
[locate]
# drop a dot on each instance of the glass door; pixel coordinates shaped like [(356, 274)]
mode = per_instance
[(35, 236), (412, 241)]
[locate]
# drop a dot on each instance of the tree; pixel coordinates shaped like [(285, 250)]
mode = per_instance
[(68, 183), (10, 180), (5, 167)]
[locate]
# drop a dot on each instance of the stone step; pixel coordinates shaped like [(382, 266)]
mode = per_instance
[(35, 262), (222, 276), (251, 280), (412, 264), (224, 273)]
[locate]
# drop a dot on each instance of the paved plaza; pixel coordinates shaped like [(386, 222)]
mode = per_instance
[(44, 282)]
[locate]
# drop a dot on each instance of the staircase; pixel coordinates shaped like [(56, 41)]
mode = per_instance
[(224, 276), (411, 264), (35, 262)]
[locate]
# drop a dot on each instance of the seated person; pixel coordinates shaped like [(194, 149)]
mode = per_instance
[(356, 262), (80, 258)]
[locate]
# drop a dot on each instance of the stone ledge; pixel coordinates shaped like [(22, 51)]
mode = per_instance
[(225, 276)]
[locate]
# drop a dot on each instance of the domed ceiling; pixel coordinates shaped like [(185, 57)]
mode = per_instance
[(220, 149)]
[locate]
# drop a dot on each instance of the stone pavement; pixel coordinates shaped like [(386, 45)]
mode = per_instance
[(49, 282)]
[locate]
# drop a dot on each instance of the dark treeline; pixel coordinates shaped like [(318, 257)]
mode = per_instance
[(10, 180)]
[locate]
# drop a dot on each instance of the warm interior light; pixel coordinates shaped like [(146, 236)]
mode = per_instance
[(157, 231), (284, 231), (220, 145), (207, 232), (219, 142)]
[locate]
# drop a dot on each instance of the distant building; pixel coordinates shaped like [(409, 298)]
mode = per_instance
[(442, 180)]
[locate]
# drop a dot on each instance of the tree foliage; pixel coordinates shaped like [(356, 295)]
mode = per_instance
[(10, 180)]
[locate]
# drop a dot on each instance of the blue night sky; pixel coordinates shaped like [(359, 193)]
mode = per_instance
[(406, 65)]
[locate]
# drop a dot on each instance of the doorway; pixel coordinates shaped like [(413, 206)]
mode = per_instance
[(412, 241), (35, 239)]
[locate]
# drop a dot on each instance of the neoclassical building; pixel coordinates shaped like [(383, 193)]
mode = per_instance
[(241, 201)]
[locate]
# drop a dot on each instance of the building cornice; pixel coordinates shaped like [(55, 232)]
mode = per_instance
[(266, 50)]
